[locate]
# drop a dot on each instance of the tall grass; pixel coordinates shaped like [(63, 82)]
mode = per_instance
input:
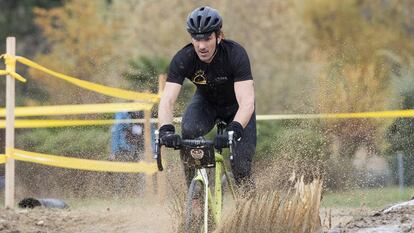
[(296, 210)]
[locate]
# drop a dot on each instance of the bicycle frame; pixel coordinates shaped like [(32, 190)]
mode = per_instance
[(215, 203)]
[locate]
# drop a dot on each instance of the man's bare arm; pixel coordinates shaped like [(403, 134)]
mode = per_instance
[(245, 98), (167, 103)]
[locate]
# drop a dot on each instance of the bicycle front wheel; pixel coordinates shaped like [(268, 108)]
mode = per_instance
[(194, 209)]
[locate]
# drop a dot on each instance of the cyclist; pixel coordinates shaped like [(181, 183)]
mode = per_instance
[(220, 69)]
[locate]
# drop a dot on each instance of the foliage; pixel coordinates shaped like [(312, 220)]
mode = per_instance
[(143, 72), (353, 89), (16, 19), (92, 142), (400, 134), (79, 142), (356, 77), (291, 146), (143, 75), (82, 36)]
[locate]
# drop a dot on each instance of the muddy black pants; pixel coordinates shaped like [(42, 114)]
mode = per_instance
[(200, 118)]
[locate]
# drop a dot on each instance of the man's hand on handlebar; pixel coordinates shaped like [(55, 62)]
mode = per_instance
[(222, 140), (168, 137)]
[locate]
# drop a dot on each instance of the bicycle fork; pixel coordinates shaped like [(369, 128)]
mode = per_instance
[(203, 173)]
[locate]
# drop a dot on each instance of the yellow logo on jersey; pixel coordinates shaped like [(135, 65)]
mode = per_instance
[(199, 77)]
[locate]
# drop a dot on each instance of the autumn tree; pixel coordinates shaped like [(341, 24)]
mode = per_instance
[(83, 39), (351, 38)]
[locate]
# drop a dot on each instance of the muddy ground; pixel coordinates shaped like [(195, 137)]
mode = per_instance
[(129, 216), (149, 215)]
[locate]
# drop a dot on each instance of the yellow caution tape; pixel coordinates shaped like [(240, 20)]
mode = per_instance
[(380, 114), (2, 158), (84, 164), (10, 62), (13, 74), (67, 123), (109, 91), (77, 109)]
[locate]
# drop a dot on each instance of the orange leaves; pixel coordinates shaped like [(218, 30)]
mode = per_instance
[(82, 39)]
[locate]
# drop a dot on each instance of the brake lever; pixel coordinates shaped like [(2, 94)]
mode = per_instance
[(157, 151), (231, 144)]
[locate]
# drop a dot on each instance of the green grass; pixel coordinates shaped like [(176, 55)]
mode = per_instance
[(374, 198), (371, 198)]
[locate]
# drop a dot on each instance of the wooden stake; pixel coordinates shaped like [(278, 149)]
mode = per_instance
[(150, 189), (10, 104), (161, 176)]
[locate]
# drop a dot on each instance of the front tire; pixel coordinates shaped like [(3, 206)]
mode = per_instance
[(194, 208)]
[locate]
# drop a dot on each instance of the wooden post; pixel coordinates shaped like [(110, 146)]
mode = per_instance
[(161, 176), (150, 189), (10, 104)]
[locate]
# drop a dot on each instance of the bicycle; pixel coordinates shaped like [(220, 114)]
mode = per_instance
[(203, 157)]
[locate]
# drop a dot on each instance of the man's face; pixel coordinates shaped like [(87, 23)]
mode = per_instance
[(205, 47)]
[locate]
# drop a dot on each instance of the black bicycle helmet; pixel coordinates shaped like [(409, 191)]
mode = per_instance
[(202, 21)]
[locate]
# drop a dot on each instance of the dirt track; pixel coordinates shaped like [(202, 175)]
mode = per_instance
[(150, 216), (142, 217), (399, 220)]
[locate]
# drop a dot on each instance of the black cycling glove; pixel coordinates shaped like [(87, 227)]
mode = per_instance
[(222, 141), (168, 137)]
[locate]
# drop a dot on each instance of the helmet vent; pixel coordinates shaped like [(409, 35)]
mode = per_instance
[(207, 20)]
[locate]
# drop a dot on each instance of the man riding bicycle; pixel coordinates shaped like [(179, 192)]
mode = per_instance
[(220, 69)]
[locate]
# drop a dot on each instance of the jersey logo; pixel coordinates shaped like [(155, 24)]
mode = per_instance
[(199, 77)]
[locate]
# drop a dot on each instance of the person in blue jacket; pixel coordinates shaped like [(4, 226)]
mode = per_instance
[(127, 145)]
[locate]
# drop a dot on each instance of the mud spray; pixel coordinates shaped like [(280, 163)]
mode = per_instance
[(296, 209)]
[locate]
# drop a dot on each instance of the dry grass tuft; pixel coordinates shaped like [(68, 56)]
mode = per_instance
[(296, 210)]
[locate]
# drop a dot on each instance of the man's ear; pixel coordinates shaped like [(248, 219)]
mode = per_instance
[(219, 37)]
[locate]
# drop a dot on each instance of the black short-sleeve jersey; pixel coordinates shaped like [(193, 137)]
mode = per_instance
[(215, 80)]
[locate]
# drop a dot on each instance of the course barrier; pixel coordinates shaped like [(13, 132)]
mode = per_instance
[(105, 90), (78, 109), (81, 164), (65, 123), (26, 124), (379, 114), (142, 101)]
